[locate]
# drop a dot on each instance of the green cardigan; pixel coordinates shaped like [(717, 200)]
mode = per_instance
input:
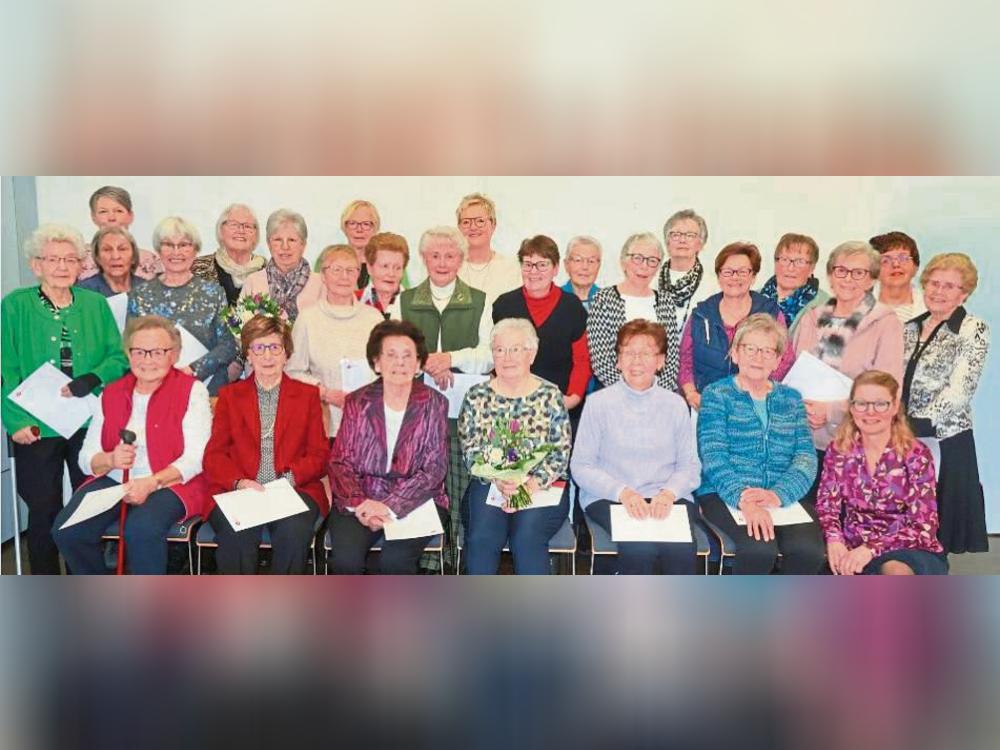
[(31, 338)]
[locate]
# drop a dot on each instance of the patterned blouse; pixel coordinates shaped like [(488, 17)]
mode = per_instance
[(196, 305), (894, 509), (267, 404), (942, 374), (542, 415)]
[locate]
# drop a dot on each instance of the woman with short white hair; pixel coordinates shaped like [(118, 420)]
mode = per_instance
[(237, 232), (533, 409), (74, 330)]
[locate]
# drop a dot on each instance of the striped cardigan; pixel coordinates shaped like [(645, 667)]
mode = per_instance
[(736, 451)]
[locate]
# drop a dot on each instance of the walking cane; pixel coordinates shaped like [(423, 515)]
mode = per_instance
[(128, 437)]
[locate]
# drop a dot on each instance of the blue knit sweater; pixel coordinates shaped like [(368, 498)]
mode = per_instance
[(736, 451)]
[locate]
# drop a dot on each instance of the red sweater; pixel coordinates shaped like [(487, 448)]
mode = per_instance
[(540, 309)]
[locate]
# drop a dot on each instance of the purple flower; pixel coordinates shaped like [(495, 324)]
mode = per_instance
[(492, 435), (515, 426), (511, 455)]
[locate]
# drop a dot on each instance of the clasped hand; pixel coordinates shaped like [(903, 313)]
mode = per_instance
[(754, 504), (373, 514), (658, 507)]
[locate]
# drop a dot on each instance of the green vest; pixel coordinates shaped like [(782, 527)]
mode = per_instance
[(458, 323)]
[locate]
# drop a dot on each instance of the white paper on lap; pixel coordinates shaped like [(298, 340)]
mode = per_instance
[(94, 503), (119, 309), (354, 374), (245, 509), (456, 394), (673, 528), (191, 348), (542, 499), (39, 395), (787, 515), (418, 523), (816, 380)]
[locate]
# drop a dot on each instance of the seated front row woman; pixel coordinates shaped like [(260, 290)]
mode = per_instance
[(267, 427), (876, 498), (169, 413), (635, 446), (534, 409), (390, 456), (757, 453)]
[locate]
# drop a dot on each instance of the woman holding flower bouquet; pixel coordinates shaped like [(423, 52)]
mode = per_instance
[(514, 420)]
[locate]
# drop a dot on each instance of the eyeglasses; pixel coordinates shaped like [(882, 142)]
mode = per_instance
[(943, 286), (259, 349), (510, 351), (342, 270), (637, 260), (182, 245), (637, 356), (739, 273), (793, 262), (580, 261), (689, 236), (479, 222), (365, 225), (842, 272), (896, 260), (157, 355), (246, 226), (541, 265), (880, 407), (55, 261), (767, 352)]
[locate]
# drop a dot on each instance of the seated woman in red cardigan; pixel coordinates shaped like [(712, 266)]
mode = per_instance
[(390, 455), (266, 427), (169, 413)]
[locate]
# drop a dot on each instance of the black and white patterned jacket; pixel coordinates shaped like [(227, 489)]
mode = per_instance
[(941, 377), (607, 316)]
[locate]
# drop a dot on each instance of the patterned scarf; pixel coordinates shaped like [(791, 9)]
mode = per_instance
[(833, 337), (239, 271), (792, 305), (686, 285), (285, 287)]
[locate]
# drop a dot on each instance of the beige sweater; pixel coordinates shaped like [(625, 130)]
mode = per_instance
[(325, 334)]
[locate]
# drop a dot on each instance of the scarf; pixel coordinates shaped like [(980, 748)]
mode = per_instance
[(285, 287), (792, 305), (686, 285), (239, 271), (834, 337)]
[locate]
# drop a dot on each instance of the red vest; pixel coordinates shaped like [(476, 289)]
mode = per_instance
[(165, 438)]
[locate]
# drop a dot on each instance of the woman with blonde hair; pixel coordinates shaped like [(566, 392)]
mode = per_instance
[(877, 500), (360, 222)]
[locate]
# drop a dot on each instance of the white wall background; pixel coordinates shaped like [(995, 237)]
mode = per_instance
[(942, 214)]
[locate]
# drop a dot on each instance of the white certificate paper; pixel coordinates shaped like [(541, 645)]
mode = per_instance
[(673, 528), (94, 503), (245, 509), (39, 396), (541, 499), (191, 348), (817, 381), (788, 515), (418, 523), (119, 309), (354, 374), (456, 394)]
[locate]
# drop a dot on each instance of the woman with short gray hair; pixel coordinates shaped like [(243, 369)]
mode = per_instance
[(117, 256), (237, 232), (683, 274)]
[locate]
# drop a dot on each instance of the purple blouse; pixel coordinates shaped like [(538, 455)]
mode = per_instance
[(894, 509)]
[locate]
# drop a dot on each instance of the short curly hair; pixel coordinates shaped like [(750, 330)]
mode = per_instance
[(388, 328)]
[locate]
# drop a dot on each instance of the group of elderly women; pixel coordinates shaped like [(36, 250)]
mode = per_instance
[(606, 380)]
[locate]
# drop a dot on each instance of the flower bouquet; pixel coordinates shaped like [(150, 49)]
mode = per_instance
[(509, 456), (236, 315)]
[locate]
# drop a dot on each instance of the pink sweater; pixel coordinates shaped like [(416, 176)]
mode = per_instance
[(311, 293), (876, 345)]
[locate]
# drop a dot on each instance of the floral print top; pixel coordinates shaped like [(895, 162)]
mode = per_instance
[(894, 509), (541, 416)]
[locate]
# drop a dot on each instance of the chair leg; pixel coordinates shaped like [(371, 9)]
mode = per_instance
[(199, 559), (190, 558), (441, 559)]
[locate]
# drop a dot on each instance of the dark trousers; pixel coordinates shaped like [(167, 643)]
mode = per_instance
[(40, 483), (641, 558), (527, 532), (290, 541), (801, 546), (350, 541), (146, 528)]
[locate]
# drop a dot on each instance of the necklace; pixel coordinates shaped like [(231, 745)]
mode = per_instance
[(484, 266)]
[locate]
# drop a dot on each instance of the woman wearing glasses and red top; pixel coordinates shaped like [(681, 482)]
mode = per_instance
[(630, 299), (851, 332), (267, 427), (708, 335), (876, 500), (169, 413)]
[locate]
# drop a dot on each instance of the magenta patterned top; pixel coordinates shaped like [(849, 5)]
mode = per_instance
[(894, 509)]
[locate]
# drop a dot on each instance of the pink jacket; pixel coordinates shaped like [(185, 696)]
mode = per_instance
[(876, 345), (311, 293)]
